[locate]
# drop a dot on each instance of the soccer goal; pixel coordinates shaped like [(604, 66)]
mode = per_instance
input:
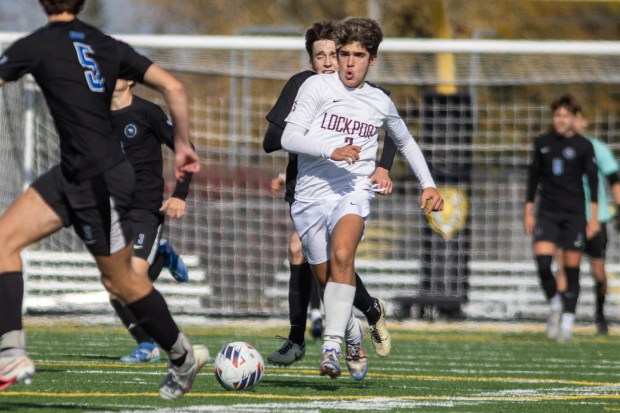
[(477, 138)]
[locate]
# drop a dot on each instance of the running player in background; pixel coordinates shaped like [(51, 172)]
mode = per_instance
[(561, 158), (596, 247), (143, 128), (333, 127), (321, 51), (76, 67)]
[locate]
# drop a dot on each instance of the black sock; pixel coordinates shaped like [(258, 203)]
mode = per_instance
[(571, 295), (315, 297), (600, 293), (154, 317), (298, 298), (547, 280), (130, 322), (11, 299), (364, 302)]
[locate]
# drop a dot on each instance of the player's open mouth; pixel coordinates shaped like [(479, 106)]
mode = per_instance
[(349, 75)]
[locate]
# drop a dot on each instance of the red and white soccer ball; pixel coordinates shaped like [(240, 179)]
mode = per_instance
[(239, 366)]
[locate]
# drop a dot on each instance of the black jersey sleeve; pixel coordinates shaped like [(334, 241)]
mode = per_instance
[(388, 153), (163, 129), (389, 147), (272, 141), (533, 174), (18, 59), (133, 64)]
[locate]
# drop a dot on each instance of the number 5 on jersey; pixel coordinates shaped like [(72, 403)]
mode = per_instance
[(93, 76)]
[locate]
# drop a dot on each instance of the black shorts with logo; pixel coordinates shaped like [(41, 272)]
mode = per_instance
[(147, 227), (97, 208), (566, 231)]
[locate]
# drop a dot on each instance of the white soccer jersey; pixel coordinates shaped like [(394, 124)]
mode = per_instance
[(333, 116)]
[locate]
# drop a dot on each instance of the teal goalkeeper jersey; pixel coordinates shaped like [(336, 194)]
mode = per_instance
[(607, 164)]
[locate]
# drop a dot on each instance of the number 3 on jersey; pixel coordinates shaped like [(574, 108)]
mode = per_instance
[(348, 140), (93, 76)]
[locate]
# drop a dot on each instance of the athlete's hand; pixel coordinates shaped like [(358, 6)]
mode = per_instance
[(529, 222), (592, 229), (431, 201), (174, 207), (276, 183), (185, 161), (381, 178), (349, 153)]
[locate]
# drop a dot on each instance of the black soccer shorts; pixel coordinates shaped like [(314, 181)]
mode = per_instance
[(97, 208), (147, 227), (596, 248), (566, 231)]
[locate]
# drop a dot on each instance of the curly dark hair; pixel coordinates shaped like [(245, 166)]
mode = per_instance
[(323, 30), (61, 6), (358, 29), (568, 102)]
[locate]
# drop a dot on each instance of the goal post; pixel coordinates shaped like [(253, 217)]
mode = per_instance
[(235, 230)]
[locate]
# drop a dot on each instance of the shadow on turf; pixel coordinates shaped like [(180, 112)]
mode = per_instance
[(329, 385), (49, 407), (93, 356)]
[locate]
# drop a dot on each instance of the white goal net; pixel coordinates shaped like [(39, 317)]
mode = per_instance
[(235, 233)]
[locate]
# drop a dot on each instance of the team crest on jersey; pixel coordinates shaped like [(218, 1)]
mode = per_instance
[(3, 59), (569, 153), (454, 215), (131, 130)]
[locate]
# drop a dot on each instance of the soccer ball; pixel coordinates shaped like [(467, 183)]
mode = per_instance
[(239, 366)]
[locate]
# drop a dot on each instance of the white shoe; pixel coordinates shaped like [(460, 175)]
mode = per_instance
[(553, 324), (357, 360), (379, 335), (15, 367), (178, 381)]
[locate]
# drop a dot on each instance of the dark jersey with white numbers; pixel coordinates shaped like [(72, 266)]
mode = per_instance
[(143, 127), (557, 167), (76, 67)]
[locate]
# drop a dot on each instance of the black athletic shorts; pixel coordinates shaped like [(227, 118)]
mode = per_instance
[(596, 248), (566, 231), (97, 208), (147, 227)]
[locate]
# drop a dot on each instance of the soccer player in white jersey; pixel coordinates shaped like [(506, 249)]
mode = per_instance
[(333, 127)]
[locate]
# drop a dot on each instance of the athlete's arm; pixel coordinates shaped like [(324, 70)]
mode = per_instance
[(532, 185), (409, 148), (186, 160), (272, 141)]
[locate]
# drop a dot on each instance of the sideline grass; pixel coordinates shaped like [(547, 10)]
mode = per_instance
[(432, 368)]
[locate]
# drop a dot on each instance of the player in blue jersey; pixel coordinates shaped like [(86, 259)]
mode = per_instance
[(596, 247), (76, 67)]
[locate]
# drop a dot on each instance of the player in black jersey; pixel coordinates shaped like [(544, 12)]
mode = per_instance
[(322, 53), (76, 67), (561, 158), (143, 127)]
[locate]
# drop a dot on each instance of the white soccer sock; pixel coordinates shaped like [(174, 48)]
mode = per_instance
[(555, 304), (338, 303), (13, 339)]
